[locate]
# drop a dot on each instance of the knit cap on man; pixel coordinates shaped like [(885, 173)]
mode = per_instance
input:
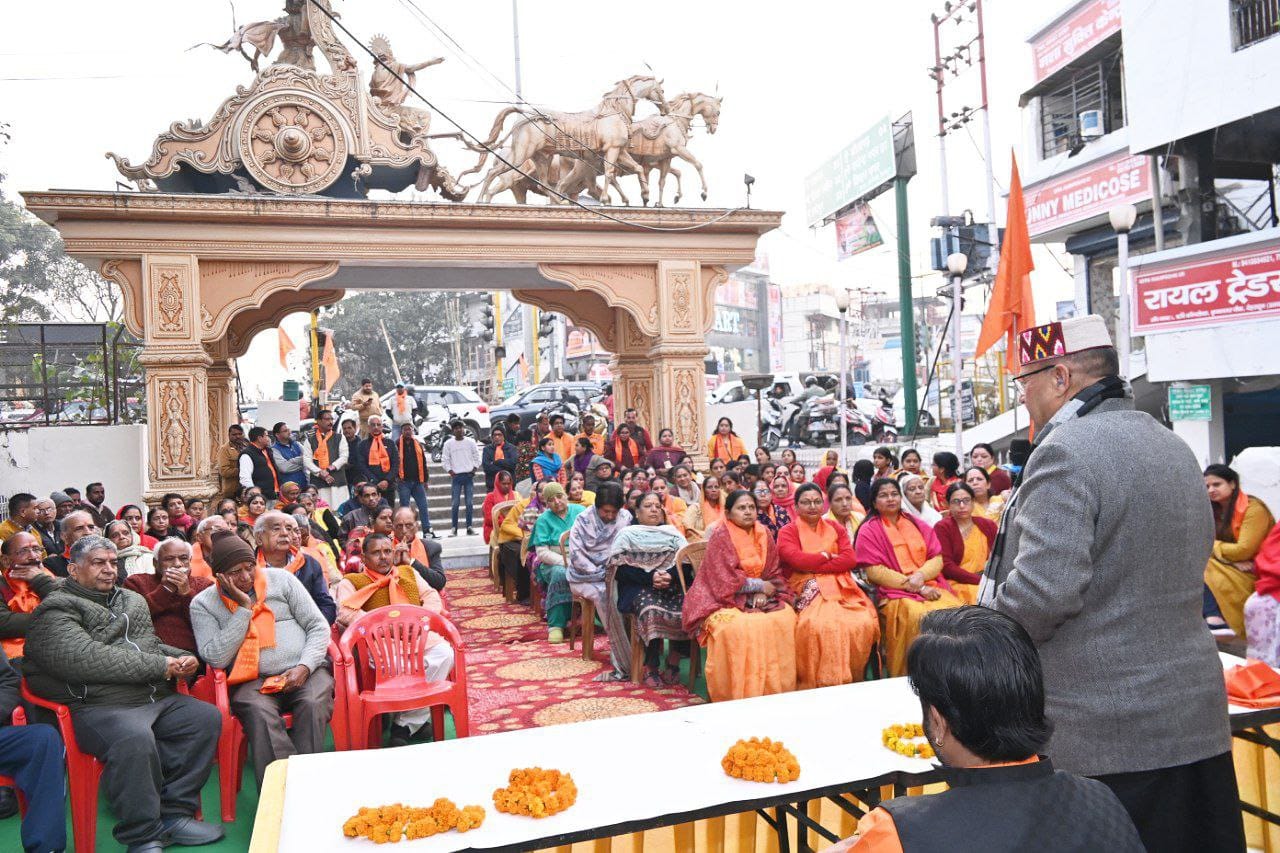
[(60, 497), (229, 551)]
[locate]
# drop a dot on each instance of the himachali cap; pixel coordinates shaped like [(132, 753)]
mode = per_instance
[(1061, 338)]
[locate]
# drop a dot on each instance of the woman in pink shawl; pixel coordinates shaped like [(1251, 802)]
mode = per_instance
[(902, 557)]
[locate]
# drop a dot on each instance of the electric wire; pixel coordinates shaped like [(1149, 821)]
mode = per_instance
[(498, 156)]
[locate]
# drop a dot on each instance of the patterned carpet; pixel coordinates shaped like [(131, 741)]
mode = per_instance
[(516, 679)]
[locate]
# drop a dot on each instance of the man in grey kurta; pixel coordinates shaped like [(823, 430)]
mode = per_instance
[(1101, 557)]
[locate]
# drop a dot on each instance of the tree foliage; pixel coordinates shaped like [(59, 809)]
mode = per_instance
[(417, 325), (38, 281)]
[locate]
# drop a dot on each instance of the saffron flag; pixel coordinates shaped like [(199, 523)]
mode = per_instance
[(330, 362), (1012, 308), (286, 346)]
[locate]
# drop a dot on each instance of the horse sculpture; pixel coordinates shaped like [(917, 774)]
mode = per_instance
[(600, 135)]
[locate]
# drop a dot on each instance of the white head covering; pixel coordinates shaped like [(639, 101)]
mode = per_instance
[(927, 513)]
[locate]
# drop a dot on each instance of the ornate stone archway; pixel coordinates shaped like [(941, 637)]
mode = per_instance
[(202, 274)]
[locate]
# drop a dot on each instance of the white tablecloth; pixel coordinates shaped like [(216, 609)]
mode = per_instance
[(627, 769), (631, 768)]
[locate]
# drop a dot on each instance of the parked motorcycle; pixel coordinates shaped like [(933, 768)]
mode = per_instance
[(772, 423), (433, 431)]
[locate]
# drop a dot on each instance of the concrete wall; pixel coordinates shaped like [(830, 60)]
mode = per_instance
[(1181, 75), (43, 459)]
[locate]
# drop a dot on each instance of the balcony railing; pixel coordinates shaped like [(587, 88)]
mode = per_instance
[(1254, 20)]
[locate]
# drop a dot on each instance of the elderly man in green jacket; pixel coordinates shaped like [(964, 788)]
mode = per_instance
[(90, 646)]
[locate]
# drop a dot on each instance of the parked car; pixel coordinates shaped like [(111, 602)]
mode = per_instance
[(528, 402)]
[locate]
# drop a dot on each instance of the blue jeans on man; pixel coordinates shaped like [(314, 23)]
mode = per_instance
[(463, 483), (417, 492), (32, 756)]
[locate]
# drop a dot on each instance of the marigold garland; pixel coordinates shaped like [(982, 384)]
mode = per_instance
[(759, 760), (390, 824), (536, 792), (902, 738)]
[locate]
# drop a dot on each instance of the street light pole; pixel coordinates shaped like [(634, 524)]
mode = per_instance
[(1122, 220), (956, 263), (842, 304)]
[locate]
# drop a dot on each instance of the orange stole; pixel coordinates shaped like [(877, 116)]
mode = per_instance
[(297, 562), (374, 591), (378, 456), (200, 567), (908, 544), (24, 600), (752, 547), (322, 450), (261, 634)]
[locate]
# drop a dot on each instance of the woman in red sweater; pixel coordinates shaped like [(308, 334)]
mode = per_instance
[(837, 625), (966, 541)]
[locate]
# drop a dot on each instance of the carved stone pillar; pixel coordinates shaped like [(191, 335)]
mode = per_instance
[(677, 357), (222, 400), (176, 365), (633, 385)]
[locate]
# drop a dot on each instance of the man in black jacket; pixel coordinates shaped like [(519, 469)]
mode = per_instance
[(32, 756), (256, 465), (981, 692), (494, 461), (381, 469), (90, 645)]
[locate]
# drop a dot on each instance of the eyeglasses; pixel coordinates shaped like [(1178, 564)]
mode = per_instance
[(812, 502), (1021, 380), (960, 501)]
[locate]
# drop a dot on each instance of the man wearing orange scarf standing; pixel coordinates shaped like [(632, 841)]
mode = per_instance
[(383, 582), (263, 627), (378, 461), (412, 476)]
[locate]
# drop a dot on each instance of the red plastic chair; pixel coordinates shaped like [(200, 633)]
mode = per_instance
[(383, 651), (233, 748), (19, 719), (83, 773)]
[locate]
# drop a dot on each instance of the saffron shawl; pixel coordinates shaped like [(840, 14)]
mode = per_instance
[(718, 583), (873, 548)]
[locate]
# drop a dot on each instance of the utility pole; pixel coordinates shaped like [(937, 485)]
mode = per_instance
[(515, 41), (905, 303)]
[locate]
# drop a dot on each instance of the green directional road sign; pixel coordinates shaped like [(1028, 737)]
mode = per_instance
[(864, 165)]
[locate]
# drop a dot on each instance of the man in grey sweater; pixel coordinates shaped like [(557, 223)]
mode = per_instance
[(263, 626), (1100, 557)]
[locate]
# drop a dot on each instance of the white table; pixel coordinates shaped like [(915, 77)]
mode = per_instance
[(632, 773)]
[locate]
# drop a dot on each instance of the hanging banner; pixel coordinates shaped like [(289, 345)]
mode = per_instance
[(856, 232), (1226, 289)]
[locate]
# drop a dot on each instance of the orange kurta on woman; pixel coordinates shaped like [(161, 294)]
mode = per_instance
[(739, 609), (902, 557), (837, 625)]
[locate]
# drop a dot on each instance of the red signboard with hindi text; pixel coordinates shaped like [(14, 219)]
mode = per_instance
[(1079, 32), (1064, 200), (1225, 289)]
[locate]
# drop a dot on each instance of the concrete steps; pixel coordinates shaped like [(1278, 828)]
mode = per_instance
[(439, 507)]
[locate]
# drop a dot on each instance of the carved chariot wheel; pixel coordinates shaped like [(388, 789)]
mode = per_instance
[(293, 143)]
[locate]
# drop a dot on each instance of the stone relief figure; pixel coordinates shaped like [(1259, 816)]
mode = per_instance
[(391, 91), (260, 35), (295, 36)]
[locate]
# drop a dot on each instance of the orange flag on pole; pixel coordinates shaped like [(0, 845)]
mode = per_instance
[(1012, 308), (286, 346), (330, 363)]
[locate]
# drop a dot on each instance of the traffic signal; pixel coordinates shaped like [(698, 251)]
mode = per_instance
[(486, 321), (546, 324)]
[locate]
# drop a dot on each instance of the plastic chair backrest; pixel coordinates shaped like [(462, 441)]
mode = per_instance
[(693, 553), (499, 513), (564, 546), (391, 642)]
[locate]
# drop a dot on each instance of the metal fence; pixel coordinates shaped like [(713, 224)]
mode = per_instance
[(1254, 20), (57, 374)]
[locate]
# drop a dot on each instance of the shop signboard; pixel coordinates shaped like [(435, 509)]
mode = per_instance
[(1079, 32), (1064, 200), (860, 168), (1231, 288), (1190, 403)]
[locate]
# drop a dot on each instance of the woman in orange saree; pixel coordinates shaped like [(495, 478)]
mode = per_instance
[(739, 609)]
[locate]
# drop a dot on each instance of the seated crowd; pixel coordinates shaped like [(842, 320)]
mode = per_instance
[(803, 581), (119, 615)]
